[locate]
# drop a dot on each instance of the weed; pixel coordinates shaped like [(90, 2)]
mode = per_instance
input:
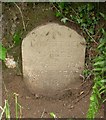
[(3, 52), (6, 109), (53, 115), (16, 38)]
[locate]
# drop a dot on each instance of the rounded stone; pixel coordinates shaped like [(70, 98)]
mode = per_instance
[(53, 58)]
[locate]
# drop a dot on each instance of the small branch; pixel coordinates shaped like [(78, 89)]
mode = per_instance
[(87, 31), (43, 113), (79, 99), (21, 15), (5, 87), (3, 111)]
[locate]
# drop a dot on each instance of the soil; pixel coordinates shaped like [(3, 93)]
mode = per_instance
[(71, 106)]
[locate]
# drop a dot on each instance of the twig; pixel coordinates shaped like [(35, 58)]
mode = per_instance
[(3, 110), (21, 15), (83, 95), (5, 87), (87, 31), (43, 113)]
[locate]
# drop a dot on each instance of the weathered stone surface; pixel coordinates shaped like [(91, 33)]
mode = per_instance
[(53, 58)]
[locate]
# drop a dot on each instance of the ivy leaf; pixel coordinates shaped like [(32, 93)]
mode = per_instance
[(64, 20), (3, 52)]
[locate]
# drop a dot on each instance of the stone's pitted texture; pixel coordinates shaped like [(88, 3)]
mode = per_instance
[(53, 59)]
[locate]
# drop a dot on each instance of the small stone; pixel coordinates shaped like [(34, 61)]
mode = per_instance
[(9, 62)]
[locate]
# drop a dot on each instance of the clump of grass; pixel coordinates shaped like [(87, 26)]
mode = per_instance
[(6, 112)]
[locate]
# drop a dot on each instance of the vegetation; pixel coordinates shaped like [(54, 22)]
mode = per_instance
[(6, 112), (91, 22), (88, 18)]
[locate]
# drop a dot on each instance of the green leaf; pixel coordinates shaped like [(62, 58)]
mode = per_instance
[(58, 14), (101, 45), (17, 38), (92, 98), (52, 115), (7, 109), (64, 20), (61, 5), (103, 15), (104, 33), (3, 52), (91, 30), (104, 80), (104, 69), (90, 7), (97, 69), (104, 100), (101, 63)]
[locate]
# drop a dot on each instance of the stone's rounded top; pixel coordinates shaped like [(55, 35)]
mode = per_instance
[(53, 57)]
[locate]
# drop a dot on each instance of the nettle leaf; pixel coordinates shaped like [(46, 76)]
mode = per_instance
[(17, 38), (64, 20), (3, 52)]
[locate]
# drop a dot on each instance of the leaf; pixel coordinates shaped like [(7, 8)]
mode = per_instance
[(64, 20), (97, 69), (103, 15), (52, 115), (91, 30), (90, 7), (92, 98), (3, 52), (58, 14), (17, 38), (104, 100), (104, 80), (61, 5), (101, 63), (101, 45), (7, 109), (104, 33)]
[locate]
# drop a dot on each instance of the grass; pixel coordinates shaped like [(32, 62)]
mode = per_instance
[(6, 112)]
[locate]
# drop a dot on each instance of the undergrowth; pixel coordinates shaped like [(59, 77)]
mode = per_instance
[(88, 17)]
